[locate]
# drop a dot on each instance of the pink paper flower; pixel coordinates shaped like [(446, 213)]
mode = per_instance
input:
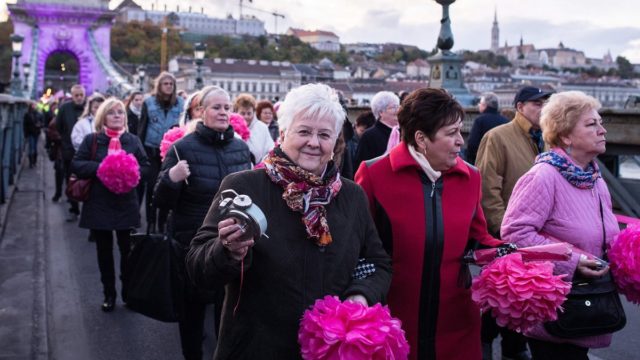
[(625, 262), (119, 172), (348, 330), (519, 294), (172, 135), (240, 126)]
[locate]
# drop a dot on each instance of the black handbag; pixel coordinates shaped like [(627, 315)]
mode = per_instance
[(153, 281), (593, 307)]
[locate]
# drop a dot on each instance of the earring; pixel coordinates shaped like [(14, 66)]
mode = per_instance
[(568, 150)]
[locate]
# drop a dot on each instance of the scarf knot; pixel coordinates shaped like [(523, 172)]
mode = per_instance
[(305, 192), (582, 179)]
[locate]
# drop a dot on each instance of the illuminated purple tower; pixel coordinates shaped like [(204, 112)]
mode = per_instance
[(80, 28)]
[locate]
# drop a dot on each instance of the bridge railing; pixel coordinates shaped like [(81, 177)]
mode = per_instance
[(12, 111)]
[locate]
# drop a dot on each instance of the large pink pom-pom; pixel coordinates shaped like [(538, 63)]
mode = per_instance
[(348, 330), (625, 262), (172, 135), (519, 294), (119, 172), (240, 126)]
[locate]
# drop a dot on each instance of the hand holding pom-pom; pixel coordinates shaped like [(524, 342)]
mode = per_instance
[(519, 294), (350, 330), (625, 262), (119, 172)]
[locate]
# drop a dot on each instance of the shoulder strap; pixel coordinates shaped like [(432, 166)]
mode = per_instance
[(94, 146), (604, 234)]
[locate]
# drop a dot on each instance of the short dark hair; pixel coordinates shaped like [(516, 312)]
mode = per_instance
[(366, 119), (427, 110)]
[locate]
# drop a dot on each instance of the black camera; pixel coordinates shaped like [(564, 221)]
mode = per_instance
[(247, 214)]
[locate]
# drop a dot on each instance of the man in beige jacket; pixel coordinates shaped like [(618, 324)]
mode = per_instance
[(506, 152)]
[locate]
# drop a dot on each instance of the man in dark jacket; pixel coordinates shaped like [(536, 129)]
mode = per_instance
[(489, 118), (68, 114)]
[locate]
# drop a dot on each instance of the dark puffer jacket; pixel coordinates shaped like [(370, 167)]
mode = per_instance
[(106, 210), (211, 156)]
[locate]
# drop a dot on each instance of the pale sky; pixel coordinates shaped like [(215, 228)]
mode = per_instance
[(593, 26)]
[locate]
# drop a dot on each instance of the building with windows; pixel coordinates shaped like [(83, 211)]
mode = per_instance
[(191, 22), (318, 39), (261, 78)]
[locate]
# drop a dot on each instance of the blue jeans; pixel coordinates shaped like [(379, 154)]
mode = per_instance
[(32, 140)]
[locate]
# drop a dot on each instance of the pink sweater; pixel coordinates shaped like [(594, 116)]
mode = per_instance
[(543, 202)]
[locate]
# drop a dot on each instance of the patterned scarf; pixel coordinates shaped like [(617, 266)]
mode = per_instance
[(582, 179), (114, 143), (305, 192)]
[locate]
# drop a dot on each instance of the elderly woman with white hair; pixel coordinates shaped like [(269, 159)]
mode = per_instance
[(373, 143), (318, 229), (564, 198)]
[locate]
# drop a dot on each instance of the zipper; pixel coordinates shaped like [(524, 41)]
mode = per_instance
[(433, 188)]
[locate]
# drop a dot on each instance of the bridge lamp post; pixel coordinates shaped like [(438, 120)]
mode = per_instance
[(141, 74), (198, 54), (26, 70), (16, 46)]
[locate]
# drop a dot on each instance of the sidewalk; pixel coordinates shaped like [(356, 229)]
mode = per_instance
[(23, 318)]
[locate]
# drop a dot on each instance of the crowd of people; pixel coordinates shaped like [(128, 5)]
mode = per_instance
[(390, 191)]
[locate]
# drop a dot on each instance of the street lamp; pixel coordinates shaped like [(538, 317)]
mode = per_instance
[(141, 74), (26, 70), (198, 53), (16, 46)]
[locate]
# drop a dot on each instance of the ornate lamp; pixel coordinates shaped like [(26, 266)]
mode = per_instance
[(198, 54), (26, 70), (141, 76), (16, 46)]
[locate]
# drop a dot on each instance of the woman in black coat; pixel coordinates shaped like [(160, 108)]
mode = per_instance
[(104, 211), (190, 176)]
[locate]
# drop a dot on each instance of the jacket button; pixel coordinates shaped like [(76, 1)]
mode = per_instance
[(588, 303)]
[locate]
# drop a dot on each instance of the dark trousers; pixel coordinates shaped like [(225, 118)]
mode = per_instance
[(544, 350), (58, 167), (104, 245), (512, 342), (75, 208), (192, 327)]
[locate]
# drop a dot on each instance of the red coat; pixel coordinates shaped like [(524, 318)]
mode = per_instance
[(426, 227)]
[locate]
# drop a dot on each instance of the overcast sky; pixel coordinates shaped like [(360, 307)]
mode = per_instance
[(593, 26)]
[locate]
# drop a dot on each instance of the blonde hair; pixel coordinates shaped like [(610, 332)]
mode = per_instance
[(101, 114), (561, 113)]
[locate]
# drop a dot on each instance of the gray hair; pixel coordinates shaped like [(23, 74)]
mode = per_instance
[(314, 101), (490, 99), (381, 101), (212, 90)]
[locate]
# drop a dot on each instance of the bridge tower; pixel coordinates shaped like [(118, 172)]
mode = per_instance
[(79, 28)]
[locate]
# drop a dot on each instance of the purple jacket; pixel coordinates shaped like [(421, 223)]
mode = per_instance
[(543, 202)]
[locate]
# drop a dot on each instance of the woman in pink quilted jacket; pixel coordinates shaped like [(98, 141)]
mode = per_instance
[(560, 199)]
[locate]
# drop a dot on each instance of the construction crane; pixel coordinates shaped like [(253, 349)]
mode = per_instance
[(275, 15)]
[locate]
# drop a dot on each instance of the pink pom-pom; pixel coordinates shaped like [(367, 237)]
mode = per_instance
[(348, 330), (172, 135), (240, 126), (519, 294), (119, 172), (625, 262)]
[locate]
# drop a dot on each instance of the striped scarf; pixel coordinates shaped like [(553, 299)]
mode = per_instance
[(305, 192), (114, 143)]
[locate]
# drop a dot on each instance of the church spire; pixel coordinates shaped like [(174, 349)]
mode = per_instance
[(495, 32)]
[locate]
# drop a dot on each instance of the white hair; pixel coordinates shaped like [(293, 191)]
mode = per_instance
[(382, 100), (212, 90), (317, 101)]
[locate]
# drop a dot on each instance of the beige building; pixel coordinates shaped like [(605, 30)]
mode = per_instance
[(318, 39)]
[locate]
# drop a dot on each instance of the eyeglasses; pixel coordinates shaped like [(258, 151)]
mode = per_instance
[(323, 135)]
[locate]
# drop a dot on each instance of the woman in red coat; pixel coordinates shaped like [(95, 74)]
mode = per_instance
[(425, 201)]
